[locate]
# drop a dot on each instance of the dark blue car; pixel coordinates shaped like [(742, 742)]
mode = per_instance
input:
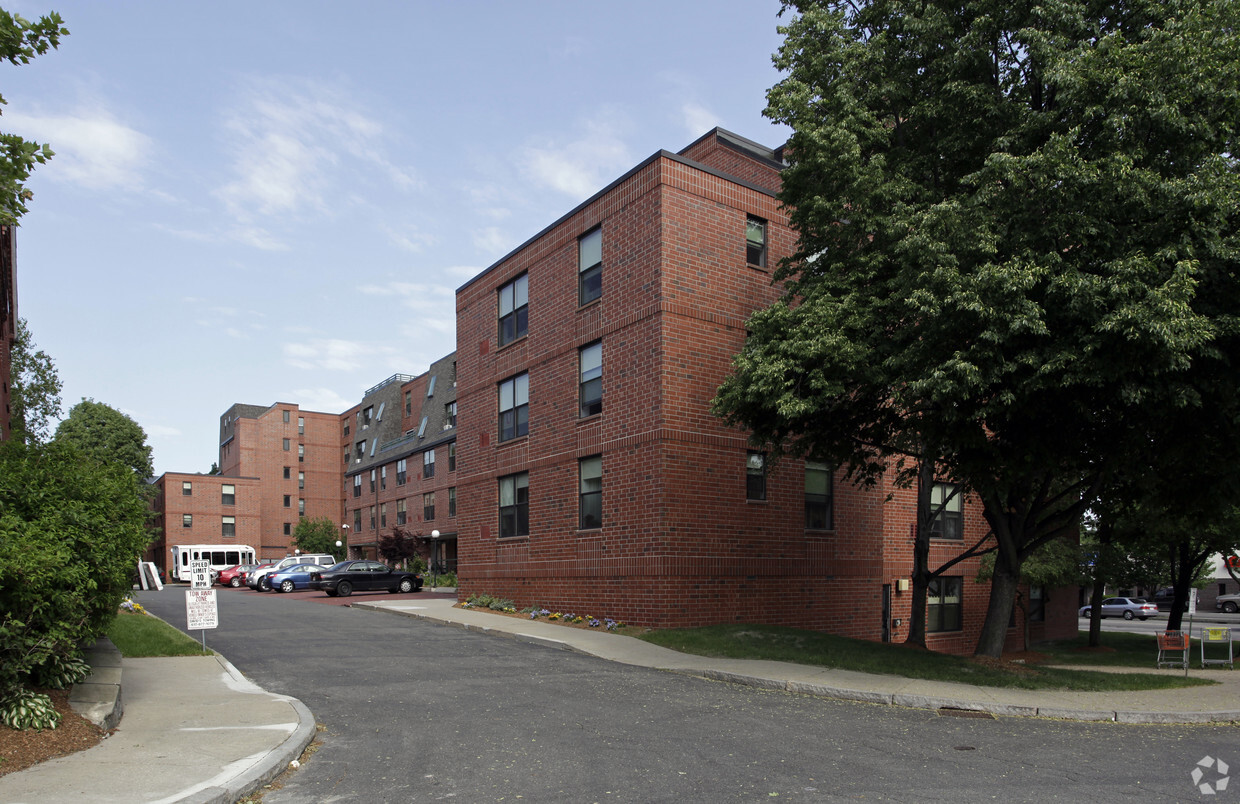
[(292, 578)]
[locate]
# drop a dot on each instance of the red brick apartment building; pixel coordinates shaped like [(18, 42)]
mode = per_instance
[(204, 509), (399, 447), (594, 478), (8, 321)]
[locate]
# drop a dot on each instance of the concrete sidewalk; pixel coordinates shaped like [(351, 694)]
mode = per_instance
[(194, 730), (1204, 704)]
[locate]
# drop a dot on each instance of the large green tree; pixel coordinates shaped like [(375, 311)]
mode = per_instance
[(318, 535), (20, 41), (108, 436), (34, 389), (1017, 249)]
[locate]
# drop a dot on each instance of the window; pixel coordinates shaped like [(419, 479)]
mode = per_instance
[(452, 457), (943, 604), (591, 386), (288, 501), (400, 512), (287, 472), (357, 485), (383, 478), (514, 407), (590, 267), (285, 412), (301, 507), (428, 464), (346, 429), (287, 444), (301, 425), (449, 415), (755, 476), (372, 517), (288, 529), (755, 241), (430, 387), (228, 494), (373, 478), (402, 471), (452, 502), (514, 505), (357, 520), (361, 451), (945, 504), (818, 496), (383, 515), (228, 526), (301, 452), (422, 427), (590, 506), (428, 506), (187, 520), (187, 488), (365, 417), (301, 480), (514, 309)]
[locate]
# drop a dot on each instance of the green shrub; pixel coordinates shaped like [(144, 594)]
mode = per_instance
[(71, 532)]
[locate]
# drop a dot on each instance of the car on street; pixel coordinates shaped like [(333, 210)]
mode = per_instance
[(257, 579), (234, 576), (361, 575), (290, 579), (1228, 603), (1126, 607), (245, 574)]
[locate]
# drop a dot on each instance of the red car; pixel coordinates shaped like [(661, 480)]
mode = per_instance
[(232, 575), (243, 572)]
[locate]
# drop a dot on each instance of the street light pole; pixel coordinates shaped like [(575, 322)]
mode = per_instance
[(345, 555)]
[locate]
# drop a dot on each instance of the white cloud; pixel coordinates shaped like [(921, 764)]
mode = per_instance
[(161, 430), (582, 166), (492, 240), (412, 239), (320, 400), (298, 145), (698, 119), (333, 354), (93, 149)]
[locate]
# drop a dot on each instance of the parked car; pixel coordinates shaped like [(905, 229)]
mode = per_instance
[(359, 575), (1228, 603), (1165, 598), (245, 574), (257, 580), (234, 576), (1126, 607), (291, 578)]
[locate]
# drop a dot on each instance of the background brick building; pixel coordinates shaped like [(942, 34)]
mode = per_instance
[(594, 477)]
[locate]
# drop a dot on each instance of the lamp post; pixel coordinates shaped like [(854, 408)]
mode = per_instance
[(434, 558), (345, 554)]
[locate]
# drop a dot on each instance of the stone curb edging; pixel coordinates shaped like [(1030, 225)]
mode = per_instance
[(271, 766), (865, 696), (98, 697)]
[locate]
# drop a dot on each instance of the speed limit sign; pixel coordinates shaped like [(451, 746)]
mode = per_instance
[(200, 575)]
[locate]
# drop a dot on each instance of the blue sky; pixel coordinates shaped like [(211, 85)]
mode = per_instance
[(276, 201)]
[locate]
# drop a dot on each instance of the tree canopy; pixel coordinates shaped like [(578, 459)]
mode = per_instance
[(1017, 250), (34, 389), (318, 535), (20, 41), (106, 435)]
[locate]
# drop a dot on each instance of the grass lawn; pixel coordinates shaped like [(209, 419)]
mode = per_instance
[(814, 648), (139, 636)]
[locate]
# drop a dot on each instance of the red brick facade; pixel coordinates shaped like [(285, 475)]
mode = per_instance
[(679, 544), (193, 509)]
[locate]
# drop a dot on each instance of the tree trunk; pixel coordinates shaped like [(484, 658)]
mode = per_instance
[(1003, 586), (1101, 568), (921, 558)]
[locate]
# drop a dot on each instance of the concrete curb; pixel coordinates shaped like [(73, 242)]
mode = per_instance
[(98, 698), (908, 700), (271, 765)]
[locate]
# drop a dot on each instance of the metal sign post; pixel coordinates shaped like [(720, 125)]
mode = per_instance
[(201, 608)]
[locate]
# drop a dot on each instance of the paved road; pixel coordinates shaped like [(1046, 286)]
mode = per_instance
[(416, 712)]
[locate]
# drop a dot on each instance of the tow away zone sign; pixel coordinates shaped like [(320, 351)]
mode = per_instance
[(201, 609)]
